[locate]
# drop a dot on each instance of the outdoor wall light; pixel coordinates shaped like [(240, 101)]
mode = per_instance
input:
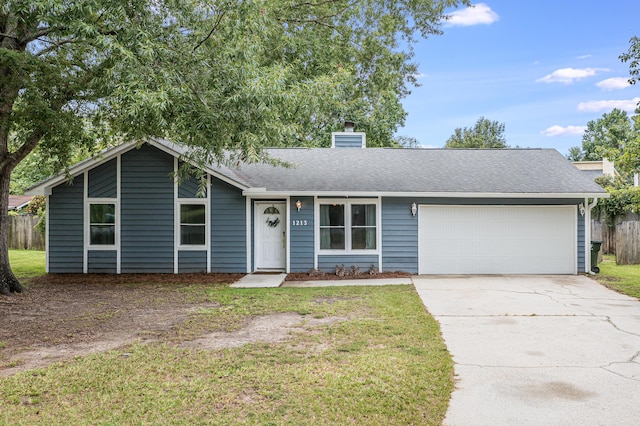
[(581, 209), (298, 205), (414, 209)]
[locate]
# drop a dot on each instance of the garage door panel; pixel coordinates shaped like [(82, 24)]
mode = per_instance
[(497, 239)]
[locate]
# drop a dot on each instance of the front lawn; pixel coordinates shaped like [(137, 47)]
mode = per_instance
[(621, 278), (360, 355)]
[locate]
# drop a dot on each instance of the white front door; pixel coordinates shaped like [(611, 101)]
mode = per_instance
[(270, 237)]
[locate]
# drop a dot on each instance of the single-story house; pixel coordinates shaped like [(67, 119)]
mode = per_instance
[(423, 211)]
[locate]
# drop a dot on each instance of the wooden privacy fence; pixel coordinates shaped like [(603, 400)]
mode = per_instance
[(621, 239), (23, 235), (628, 243)]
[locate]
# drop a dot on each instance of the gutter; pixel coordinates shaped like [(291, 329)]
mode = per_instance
[(263, 192)]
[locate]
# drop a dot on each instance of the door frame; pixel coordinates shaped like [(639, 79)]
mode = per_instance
[(257, 210)]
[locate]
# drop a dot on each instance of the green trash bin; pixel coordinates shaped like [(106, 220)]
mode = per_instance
[(595, 248)]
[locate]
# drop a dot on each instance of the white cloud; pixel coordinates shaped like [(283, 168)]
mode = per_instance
[(615, 83), (564, 131), (569, 75), (476, 14), (595, 106), (583, 57)]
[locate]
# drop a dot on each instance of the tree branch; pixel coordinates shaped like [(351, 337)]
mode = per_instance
[(40, 32), (53, 46), (17, 156), (215, 26)]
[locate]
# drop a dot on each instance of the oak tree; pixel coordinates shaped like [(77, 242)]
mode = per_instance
[(215, 75)]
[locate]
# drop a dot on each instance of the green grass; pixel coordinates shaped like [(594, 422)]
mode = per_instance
[(384, 363), (27, 263), (621, 278)]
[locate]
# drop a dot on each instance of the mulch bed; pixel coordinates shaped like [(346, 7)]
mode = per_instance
[(111, 279), (298, 276)]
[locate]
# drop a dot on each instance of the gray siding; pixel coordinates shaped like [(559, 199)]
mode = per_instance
[(66, 229), (192, 261), (399, 236), (348, 141), (400, 228), (147, 225), (103, 181), (328, 263), (102, 261), (189, 188), (228, 228), (301, 235)]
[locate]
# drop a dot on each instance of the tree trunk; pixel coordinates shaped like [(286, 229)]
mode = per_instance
[(8, 281)]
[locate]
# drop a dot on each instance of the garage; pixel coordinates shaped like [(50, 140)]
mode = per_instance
[(497, 239)]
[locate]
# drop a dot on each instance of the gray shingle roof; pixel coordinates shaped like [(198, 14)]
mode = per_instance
[(419, 170), (387, 170)]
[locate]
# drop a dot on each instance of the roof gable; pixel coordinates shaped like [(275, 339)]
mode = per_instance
[(171, 148)]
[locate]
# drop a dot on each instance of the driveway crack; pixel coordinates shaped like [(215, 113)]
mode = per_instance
[(613, 324)]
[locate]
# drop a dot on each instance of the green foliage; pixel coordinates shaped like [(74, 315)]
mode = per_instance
[(615, 136), (38, 207), (633, 58), (622, 199), (212, 75), (484, 134)]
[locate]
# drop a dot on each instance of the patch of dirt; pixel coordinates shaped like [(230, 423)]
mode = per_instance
[(299, 276), (269, 329), (60, 316)]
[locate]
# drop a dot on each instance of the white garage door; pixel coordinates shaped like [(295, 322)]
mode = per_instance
[(497, 239)]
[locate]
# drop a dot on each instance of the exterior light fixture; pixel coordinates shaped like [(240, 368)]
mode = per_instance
[(298, 205), (414, 209), (581, 209)]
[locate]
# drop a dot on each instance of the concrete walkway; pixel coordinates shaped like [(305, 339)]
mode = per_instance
[(538, 350), (278, 280), (260, 281)]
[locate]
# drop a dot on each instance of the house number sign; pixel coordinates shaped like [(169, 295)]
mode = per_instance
[(299, 222)]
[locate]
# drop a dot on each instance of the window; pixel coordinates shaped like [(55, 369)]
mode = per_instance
[(348, 226), (102, 224), (332, 227), (192, 224), (363, 226)]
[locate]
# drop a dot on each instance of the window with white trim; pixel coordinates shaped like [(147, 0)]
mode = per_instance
[(348, 226), (193, 220), (102, 224)]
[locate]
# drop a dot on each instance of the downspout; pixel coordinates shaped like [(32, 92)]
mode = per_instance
[(587, 234)]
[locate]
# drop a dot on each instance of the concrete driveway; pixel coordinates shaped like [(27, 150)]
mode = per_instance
[(538, 350)]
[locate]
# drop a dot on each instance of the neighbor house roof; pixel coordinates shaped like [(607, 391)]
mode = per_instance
[(16, 202), (595, 169), (534, 173)]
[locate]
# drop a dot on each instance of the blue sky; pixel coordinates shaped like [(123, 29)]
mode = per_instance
[(544, 68)]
